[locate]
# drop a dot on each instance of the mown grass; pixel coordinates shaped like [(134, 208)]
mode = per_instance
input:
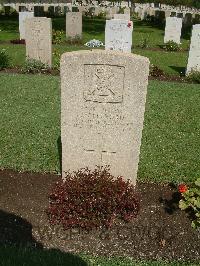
[(30, 127), (17, 256), (172, 63)]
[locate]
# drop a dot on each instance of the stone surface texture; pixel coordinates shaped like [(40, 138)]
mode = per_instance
[(39, 39), (118, 35), (73, 24), (194, 54), (122, 16), (103, 96), (22, 17), (173, 30)]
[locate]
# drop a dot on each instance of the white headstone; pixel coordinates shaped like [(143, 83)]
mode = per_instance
[(194, 54), (22, 17), (102, 116), (118, 35), (122, 16), (39, 39), (73, 24), (173, 30)]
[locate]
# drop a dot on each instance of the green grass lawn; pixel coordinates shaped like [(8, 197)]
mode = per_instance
[(30, 127), (10, 256), (172, 63)]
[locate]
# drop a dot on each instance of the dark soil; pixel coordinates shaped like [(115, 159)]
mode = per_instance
[(161, 49), (161, 231), (17, 70), (56, 72), (170, 78)]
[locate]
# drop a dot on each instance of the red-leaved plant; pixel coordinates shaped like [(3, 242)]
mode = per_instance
[(91, 199)]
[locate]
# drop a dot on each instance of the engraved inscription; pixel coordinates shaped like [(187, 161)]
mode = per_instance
[(103, 83), (37, 38)]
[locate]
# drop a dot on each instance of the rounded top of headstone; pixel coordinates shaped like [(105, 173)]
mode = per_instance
[(104, 55)]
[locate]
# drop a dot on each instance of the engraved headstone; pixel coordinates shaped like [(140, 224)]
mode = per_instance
[(127, 11), (173, 30), (122, 16), (22, 17), (73, 24), (39, 39), (194, 54), (118, 35), (103, 96)]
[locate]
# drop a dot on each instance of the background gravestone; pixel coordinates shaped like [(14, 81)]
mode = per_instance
[(22, 17), (73, 24), (39, 39), (173, 30), (194, 54), (122, 16), (102, 116), (118, 35)]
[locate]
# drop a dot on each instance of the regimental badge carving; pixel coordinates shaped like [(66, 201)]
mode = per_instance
[(103, 83)]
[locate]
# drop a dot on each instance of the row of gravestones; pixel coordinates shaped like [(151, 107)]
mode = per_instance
[(41, 10), (188, 18), (118, 35)]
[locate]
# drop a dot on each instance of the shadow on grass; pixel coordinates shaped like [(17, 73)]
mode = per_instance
[(180, 70), (18, 247)]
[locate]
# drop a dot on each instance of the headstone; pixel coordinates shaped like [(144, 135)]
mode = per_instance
[(194, 54), (102, 116), (73, 24), (22, 17), (143, 14), (39, 39), (118, 35), (173, 30), (167, 13), (122, 16)]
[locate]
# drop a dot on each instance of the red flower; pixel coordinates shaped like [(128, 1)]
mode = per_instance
[(129, 24), (182, 188)]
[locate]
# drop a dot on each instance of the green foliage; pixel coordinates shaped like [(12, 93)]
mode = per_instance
[(194, 76), (91, 12), (57, 56), (33, 66), (144, 43), (57, 36), (121, 10), (102, 14), (4, 59), (156, 71), (191, 200), (172, 46)]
